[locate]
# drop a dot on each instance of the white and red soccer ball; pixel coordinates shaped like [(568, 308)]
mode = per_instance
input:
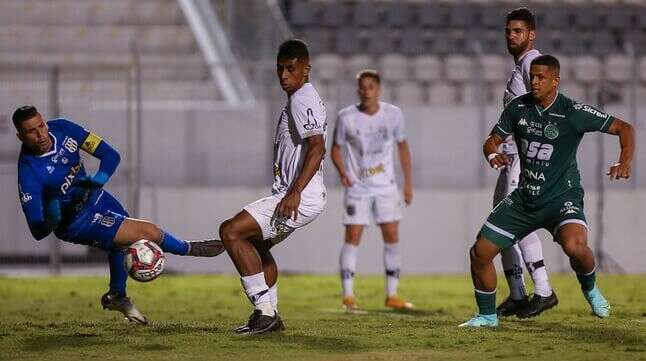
[(144, 260)]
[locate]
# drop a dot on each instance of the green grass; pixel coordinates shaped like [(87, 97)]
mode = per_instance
[(192, 317)]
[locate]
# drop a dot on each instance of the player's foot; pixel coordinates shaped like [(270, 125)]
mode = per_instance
[(398, 303), (481, 321), (207, 248), (510, 307), (537, 305), (350, 303), (245, 328), (598, 303), (259, 323), (123, 304)]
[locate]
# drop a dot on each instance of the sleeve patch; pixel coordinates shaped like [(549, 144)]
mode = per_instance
[(91, 143)]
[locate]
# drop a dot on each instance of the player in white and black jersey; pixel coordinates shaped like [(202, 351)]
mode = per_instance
[(364, 139), (298, 193), (520, 33)]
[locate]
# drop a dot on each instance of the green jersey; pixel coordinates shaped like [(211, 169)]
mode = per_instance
[(548, 140)]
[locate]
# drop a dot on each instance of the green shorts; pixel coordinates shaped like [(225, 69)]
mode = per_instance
[(510, 221)]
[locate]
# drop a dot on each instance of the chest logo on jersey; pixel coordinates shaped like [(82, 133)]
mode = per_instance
[(69, 178), (522, 122), (70, 144), (551, 131), (50, 169)]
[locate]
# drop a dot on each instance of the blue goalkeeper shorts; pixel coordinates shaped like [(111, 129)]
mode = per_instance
[(96, 224)]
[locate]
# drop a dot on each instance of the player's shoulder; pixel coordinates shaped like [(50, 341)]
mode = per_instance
[(519, 103), (530, 56), (61, 124), (306, 96), (348, 111), (390, 108)]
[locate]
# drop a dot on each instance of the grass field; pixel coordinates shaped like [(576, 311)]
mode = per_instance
[(192, 317)]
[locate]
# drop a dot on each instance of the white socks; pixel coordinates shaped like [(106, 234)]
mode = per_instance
[(532, 251), (392, 265), (512, 263), (273, 296), (348, 263), (258, 293)]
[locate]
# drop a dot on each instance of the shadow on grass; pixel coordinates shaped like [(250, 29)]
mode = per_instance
[(44, 343), (595, 332)]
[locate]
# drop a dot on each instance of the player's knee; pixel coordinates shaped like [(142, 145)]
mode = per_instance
[(573, 244), (151, 231), (475, 256), (228, 233)]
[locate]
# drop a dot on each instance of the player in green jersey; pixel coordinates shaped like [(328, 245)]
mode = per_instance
[(548, 127)]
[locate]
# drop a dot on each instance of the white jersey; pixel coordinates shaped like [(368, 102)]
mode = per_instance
[(303, 116), (518, 84), (367, 142)]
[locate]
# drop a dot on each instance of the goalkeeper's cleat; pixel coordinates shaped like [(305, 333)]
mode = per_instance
[(510, 306), (207, 248), (259, 323), (598, 303), (398, 303), (350, 303), (114, 302), (537, 305), (481, 321)]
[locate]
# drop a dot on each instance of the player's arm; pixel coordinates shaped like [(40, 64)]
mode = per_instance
[(407, 170), (41, 218), (490, 149), (337, 153), (288, 206), (626, 134)]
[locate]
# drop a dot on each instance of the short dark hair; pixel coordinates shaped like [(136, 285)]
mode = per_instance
[(523, 14), (22, 114), (549, 61), (293, 49), (369, 73)]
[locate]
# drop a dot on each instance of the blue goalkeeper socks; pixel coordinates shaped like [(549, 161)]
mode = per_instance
[(173, 245), (118, 273)]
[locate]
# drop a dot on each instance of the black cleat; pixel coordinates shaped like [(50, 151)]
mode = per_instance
[(207, 248), (511, 307), (537, 305), (259, 323)]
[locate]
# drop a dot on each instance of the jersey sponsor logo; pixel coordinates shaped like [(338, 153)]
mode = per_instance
[(556, 115), (569, 208), (535, 175), (551, 131), (91, 143), (591, 110), (70, 144), (540, 151), (370, 171), (69, 178)]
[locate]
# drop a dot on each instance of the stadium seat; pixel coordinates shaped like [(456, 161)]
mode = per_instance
[(493, 16), (399, 15), (366, 14), (463, 16), (442, 94), (380, 40), (587, 19), (303, 13), (327, 67), (619, 18), (587, 69), (555, 19), (426, 68), (412, 42), (318, 40), (567, 64), (495, 67), (387, 93), (348, 41), (333, 15), (604, 42), (409, 93), (574, 91), (394, 67), (618, 68), (459, 68), (433, 15)]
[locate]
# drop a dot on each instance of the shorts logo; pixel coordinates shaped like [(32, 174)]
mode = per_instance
[(551, 131), (351, 210)]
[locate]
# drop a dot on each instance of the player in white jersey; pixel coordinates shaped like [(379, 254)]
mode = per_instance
[(520, 35), (298, 193), (364, 138)]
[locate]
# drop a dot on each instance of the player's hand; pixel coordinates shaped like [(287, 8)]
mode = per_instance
[(498, 161), (288, 206), (345, 180), (619, 170), (93, 182), (408, 194)]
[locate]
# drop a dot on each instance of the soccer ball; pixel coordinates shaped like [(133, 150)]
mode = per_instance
[(144, 260)]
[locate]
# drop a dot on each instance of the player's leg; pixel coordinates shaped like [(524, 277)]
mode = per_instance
[(355, 218), (132, 230), (348, 263), (544, 297), (512, 259), (116, 298), (573, 239)]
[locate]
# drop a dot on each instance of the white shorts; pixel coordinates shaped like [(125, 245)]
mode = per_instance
[(507, 180), (384, 208), (276, 229)]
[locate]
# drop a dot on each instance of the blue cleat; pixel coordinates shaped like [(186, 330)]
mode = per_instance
[(481, 321), (599, 304)]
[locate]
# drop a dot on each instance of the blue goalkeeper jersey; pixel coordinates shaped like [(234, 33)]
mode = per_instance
[(53, 174)]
